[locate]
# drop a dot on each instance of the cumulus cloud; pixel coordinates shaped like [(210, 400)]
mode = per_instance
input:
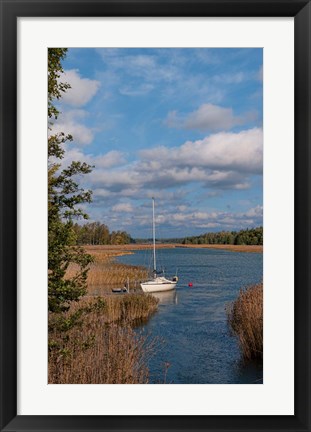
[(106, 160), (71, 123), (206, 220), (82, 89), (110, 159), (223, 161), (137, 178), (122, 208), (242, 151), (255, 212), (82, 135), (207, 117)]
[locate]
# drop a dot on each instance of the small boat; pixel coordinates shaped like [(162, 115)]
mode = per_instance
[(157, 283), (119, 290), (126, 288)]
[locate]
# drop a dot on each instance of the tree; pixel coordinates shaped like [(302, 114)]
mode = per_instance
[(64, 197), (119, 237)]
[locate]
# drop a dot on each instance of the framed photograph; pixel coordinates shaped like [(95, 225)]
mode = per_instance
[(155, 254)]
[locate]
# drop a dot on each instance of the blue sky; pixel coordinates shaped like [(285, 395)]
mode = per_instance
[(182, 125)]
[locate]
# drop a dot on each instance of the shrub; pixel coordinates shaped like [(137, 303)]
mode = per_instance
[(245, 317)]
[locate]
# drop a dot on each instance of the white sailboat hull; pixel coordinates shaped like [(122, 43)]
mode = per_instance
[(158, 285)]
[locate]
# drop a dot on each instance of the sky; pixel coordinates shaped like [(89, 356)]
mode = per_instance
[(181, 125)]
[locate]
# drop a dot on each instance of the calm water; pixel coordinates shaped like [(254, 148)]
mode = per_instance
[(192, 321)]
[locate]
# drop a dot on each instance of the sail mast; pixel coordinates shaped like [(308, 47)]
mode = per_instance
[(153, 232)]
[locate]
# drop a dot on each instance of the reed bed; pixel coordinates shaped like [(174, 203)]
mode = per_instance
[(245, 317), (104, 273), (115, 274), (122, 308), (228, 247), (94, 342), (111, 354)]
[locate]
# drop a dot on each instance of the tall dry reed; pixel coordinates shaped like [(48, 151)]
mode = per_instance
[(94, 343), (104, 273), (245, 317)]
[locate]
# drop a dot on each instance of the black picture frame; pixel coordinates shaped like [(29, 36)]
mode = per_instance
[(10, 11)]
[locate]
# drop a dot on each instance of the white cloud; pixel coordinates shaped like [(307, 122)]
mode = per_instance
[(255, 212), (70, 123), (148, 67), (82, 135), (207, 117), (110, 159), (101, 161), (122, 208), (205, 220), (224, 161), (242, 151), (82, 89)]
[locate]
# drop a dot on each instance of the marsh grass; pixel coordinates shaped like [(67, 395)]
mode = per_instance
[(94, 342), (104, 273), (245, 317)]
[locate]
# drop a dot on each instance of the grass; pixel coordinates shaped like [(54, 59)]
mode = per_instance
[(228, 247), (122, 308), (105, 273), (94, 342), (245, 317)]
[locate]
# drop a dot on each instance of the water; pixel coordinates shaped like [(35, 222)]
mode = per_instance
[(198, 347)]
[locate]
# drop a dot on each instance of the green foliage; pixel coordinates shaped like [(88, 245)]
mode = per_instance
[(119, 237), (95, 233), (55, 88), (64, 195), (253, 236)]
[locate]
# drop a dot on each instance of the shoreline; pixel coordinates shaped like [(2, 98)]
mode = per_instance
[(118, 250), (229, 247), (106, 273)]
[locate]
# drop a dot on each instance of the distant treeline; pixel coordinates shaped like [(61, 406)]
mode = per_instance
[(95, 233), (253, 236)]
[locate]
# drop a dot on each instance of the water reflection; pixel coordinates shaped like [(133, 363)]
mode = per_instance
[(166, 297)]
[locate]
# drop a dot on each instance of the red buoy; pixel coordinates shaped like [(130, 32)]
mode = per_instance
[(190, 284)]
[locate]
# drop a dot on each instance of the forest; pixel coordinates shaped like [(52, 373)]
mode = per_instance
[(96, 233), (253, 236)]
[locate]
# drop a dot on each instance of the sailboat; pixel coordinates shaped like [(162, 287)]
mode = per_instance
[(157, 283)]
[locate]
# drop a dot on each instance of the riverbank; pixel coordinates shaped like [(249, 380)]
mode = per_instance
[(198, 317), (229, 247), (94, 341), (105, 273), (117, 250), (192, 321)]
